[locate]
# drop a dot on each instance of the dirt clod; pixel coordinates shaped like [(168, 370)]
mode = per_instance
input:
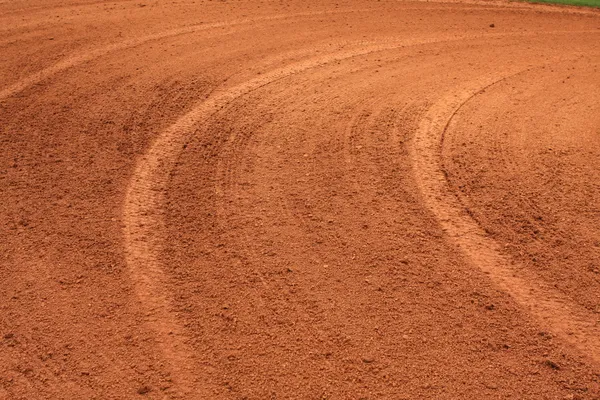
[(144, 390), (552, 364)]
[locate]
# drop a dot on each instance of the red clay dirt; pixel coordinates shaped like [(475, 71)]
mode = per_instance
[(299, 200)]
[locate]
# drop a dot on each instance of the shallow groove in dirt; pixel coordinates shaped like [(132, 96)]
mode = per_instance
[(83, 58), (142, 209), (261, 206), (572, 323)]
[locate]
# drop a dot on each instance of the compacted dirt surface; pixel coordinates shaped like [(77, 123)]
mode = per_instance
[(299, 200)]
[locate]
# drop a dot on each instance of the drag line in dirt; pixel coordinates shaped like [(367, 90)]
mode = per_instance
[(83, 58), (143, 205), (572, 323), (243, 200), (143, 215)]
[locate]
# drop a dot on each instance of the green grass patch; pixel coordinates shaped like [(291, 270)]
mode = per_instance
[(586, 3)]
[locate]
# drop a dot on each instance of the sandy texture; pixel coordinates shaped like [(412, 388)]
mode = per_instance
[(299, 200)]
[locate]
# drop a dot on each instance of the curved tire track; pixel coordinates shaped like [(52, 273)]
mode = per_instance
[(142, 207), (143, 214), (572, 323), (80, 59)]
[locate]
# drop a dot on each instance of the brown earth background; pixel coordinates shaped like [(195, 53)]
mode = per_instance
[(299, 200)]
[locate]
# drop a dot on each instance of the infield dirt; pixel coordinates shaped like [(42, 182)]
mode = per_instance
[(299, 200)]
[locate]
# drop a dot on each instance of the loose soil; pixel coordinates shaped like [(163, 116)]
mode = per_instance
[(299, 200)]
